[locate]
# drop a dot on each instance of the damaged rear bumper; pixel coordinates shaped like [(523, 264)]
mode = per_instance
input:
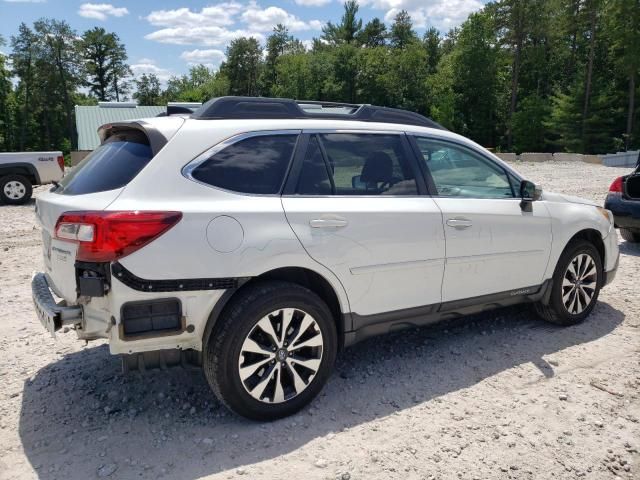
[(52, 315)]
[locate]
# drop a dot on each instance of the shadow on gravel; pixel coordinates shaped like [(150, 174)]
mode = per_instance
[(631, 249), (81, 418)]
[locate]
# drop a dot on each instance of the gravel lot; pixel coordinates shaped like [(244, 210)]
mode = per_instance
[(501, 395)]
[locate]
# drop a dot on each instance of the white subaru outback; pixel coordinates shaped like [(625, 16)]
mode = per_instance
[(260, 236)]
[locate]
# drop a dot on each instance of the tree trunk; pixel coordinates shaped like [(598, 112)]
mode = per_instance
[(514, 91), (25, 108), (67, 102), (632, 98), (587, 87)]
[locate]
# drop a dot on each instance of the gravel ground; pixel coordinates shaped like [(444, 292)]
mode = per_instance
[(501, 395)]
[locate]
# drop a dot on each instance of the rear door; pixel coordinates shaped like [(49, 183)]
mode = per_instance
[(356, 202), (93, 185), (493, 245)]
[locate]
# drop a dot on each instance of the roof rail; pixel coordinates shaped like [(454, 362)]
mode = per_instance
[(221, 108)]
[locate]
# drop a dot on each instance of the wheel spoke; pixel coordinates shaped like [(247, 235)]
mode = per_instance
[(278, 395), (311, 363), (260, 387), (315, 341), (267, 327), (306, 322), (589, 285), (591, 270), (287, 315), (246, 372), (572, 270), (252, 346), (298, 383)]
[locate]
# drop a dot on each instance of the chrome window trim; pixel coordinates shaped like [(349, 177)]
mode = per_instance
[(187, 170), (312, 131)]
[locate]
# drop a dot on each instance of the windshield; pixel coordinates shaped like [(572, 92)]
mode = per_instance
[(110, 166)]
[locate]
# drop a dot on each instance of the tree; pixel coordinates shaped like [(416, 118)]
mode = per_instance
[(23, 59), (475, 79), (402, 33), (431, 41), (6, 94), (279, 43), (374, 34), (623, 25), (147, 90), (105, 63), (349, 28), (58, 55), (243, 65)]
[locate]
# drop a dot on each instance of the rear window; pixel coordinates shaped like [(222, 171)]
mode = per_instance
[(254, 165), (110, 166)]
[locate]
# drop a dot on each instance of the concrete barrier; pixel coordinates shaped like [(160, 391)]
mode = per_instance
[(549, 157), (507, 157), (568, 157), (621, 159), (536, 157)]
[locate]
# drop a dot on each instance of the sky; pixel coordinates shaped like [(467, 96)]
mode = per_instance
[(166, 37)]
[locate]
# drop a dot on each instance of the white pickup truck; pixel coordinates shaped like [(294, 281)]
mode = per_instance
[(19, 171)]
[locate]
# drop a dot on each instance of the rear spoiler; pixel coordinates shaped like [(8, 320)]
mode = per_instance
[(156, 139)]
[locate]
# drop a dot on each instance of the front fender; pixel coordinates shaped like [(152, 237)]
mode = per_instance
[(568, 220)]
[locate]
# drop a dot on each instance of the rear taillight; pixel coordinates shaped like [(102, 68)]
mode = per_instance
[(108, 236), (616, 186), (61, 162)]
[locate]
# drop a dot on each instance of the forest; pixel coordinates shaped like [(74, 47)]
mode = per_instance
[(518, 75)]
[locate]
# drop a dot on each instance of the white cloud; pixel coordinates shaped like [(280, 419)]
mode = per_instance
[(207, 36), (312, 3), (218, 15), (443, 14), (101, 11), (263, 20), (25, 1), (147, 65), (219, 24), (210, 57)]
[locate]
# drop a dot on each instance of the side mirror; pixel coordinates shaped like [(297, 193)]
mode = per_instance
[(357, 183), (529, 192)]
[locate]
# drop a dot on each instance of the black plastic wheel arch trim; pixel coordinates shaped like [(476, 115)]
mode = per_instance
[(175, 285)]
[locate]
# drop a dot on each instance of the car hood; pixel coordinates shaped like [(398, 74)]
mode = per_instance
[(560, 197)]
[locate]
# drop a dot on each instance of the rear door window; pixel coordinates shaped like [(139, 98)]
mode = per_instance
[(255, 165), (356, 164), (110, 166)]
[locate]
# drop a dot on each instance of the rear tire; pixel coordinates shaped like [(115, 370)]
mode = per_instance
[(632, 236), (577, 281), (15, 189), (256, 369)]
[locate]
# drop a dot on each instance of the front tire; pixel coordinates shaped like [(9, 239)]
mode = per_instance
[(577, 281), (15, 189), (632, 236), (271, 351)]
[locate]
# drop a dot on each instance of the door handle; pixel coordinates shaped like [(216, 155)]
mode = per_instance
[(328, 222), (459, 223)]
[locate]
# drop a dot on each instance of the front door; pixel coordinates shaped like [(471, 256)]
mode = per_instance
[(357, 209), (493, 245)]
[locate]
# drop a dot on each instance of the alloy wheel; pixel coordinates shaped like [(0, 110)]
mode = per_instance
[(14, 190), (281, 355), (579, 283)]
